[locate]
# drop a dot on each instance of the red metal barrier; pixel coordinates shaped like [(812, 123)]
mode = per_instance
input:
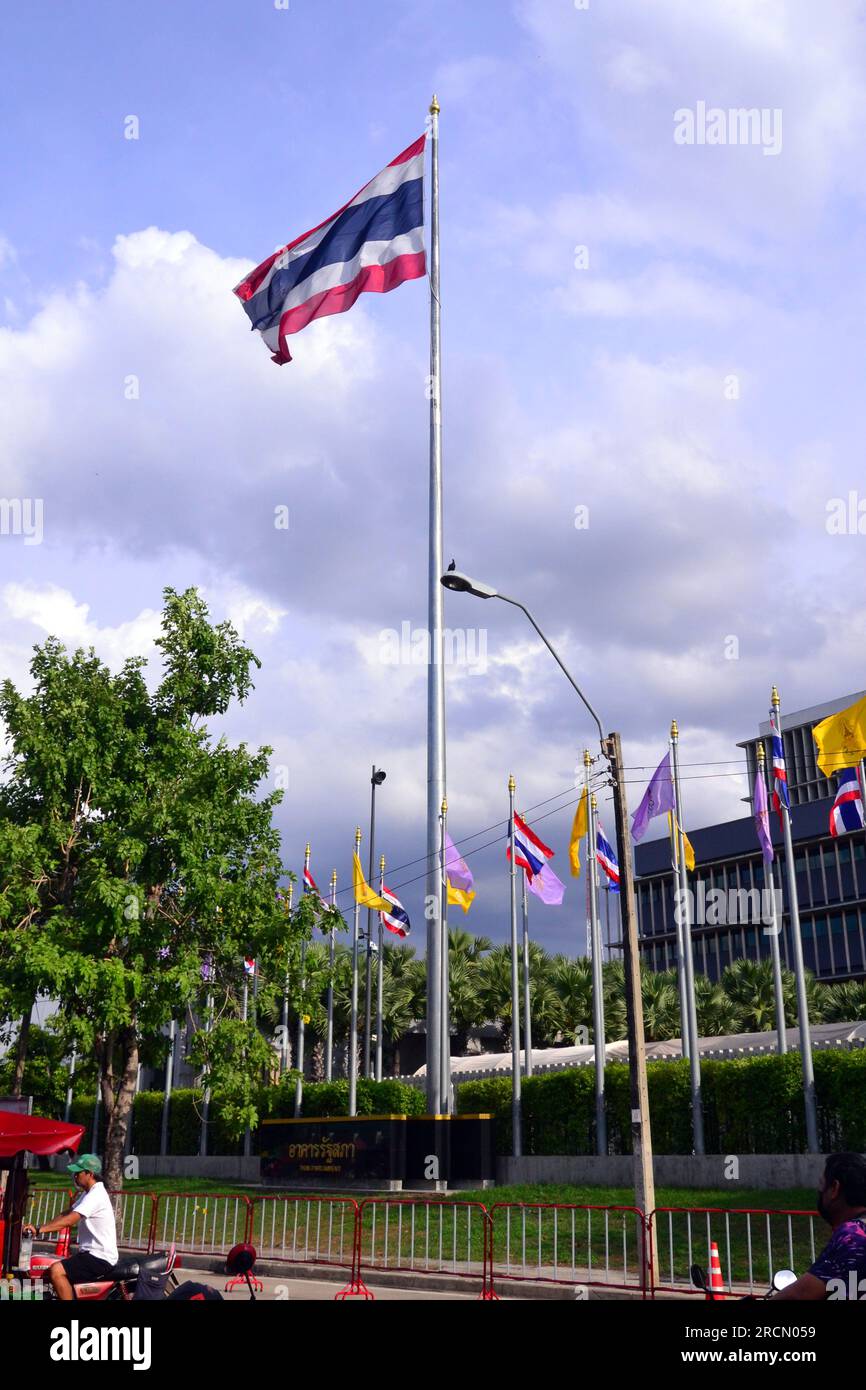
[(569, 1243), (135, 1214), (422, 1235), (201, 1223), (305, 1229), (753, 1243)]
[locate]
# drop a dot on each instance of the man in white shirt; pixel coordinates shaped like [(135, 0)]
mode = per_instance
[(93, 1214)]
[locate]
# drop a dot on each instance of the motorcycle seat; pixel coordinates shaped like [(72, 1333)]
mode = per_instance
[(135, 1265)]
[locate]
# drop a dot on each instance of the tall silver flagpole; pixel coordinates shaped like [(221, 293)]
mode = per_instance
[(284, 1018), (680, 952), (775, 930), (799, 968), (685, 914), (445, 1046), (166, 1095), (436, 669), (380, 977), (299, 1049), (70, 1085), (527, 1016), (248, 1138), (353, 1023), (597, 978), (329, 1040), (516, 1117)]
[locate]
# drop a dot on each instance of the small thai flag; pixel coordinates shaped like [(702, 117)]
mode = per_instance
[(847, 811), (396, 920), (606, 857), (310, 883), (249, 966), (780, 772), (373, 244), (530, 853)]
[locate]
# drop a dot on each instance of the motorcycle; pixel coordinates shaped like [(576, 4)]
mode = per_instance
[(781, 1279), (136, 1278)]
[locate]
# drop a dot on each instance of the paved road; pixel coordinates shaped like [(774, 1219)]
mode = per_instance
[(323, 1290)]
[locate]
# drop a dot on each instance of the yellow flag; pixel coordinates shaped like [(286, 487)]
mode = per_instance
[(841, 739), (578, 831), (461, 897), (690, 854), (363, 892)]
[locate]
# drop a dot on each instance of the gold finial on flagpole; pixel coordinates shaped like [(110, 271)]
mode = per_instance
[(333, 878), (511, 783), (381, 864), (444, 806), (760, 752), (587, 760), (435, 108), (357, 836), (774, 698), (675, 733), (594, 802)]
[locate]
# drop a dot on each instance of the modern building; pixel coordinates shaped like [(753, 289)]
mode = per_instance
[(830, 874)]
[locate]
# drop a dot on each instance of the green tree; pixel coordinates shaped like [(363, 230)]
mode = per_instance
[(141, 848)]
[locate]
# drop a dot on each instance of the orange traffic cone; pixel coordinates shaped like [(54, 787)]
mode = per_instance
[(717, 1283)]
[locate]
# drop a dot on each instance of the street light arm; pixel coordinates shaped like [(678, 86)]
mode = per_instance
[(517, 604)]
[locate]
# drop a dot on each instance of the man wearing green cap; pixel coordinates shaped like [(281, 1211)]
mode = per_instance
[(93, 1214)]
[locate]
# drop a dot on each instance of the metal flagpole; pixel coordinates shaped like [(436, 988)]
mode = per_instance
[(169, 1078), (527, 1015), (329, 1042), (248, 1137), (69, 1089), (368, 991), (680, 953), (301, 1038), (380, 980), (775, 930), (686, 918), (208, 1025), (436, 669), (799, 968), (353, 1024), (284, 1019), (516, 1120), (597, 980), (445, 1044)]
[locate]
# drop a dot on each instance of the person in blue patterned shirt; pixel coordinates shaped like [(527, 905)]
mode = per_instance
[(840, 1270)]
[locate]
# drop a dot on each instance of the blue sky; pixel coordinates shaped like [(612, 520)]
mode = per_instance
[(606, 386)]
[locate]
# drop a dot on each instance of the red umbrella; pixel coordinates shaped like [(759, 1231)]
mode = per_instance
[(35, 1135)]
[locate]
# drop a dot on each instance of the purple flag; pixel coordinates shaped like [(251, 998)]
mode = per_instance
[(762, 818), (546, 886), (457, 871), (658, 798)]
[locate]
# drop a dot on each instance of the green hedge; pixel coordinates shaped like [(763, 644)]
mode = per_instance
[(753, 1105)]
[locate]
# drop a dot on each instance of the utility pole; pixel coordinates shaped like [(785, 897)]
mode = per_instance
[(641, 1131)]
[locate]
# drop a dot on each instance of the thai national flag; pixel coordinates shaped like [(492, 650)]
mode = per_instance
[(310, 883), (530, 853), (604, 853), (249, 966), (847, 811), (372, 244), (780, 772), (397, 919)]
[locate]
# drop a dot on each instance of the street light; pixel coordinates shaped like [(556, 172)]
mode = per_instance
[(611, 747)]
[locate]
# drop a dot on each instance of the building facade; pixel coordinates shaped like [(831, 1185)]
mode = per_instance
[(733, 922)]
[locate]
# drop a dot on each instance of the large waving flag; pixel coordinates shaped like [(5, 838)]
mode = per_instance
[(847, 810), (371, 245), (780, 771), (841, 739), (762, 817), (396, 919), (364, 894), (658, 798), (606, 856), (532, 855), (578, 830), (310, 882), (458, 875)]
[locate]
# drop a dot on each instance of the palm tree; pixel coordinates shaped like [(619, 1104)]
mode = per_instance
[(464, 943), (661, 1005), (748, 985), (571, 981), (494, 988), (845, 1003), (716, 1012)]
